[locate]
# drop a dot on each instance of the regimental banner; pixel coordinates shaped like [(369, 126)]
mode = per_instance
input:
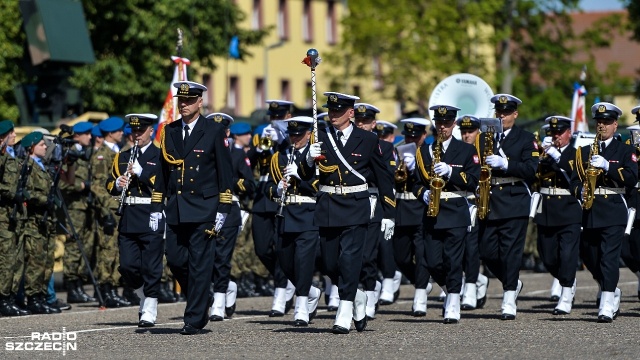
[(170, 107)]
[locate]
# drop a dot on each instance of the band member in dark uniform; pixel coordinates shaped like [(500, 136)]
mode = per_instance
[(141, 248), (196, 181), (606, 172), (559, 215), (631, 244), (514, 163), (448, 170), (353, 158)]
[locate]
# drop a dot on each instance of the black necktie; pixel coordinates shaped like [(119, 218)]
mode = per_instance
[(339, 137), (603, 145), (296, 155), (186, 134), (498, 142)]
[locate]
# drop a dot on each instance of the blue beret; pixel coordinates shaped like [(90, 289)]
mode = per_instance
[(5, 126), (95, 131), (82, 127), (111, 124), (127, 130), (31, 139), (259, 128), (240, 128)]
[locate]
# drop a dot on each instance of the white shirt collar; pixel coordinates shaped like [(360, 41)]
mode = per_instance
[(445, 144), (112, 146), (346, 132), (608, 142), (191, 125), (144, 148)]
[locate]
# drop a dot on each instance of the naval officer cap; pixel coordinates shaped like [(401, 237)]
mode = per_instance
[(240, 128), (189, 89), (636, 111), (605, 110), (299, 125), (444, 112), (141, 120), (323, 116), (558, 123), (505, 102), (279, 108), (339, 101), (468, 122), (221, 118), (366, 111), (82, 127), (111, 124), (31, 139), (415, 126), (5, 126), (384, 128)]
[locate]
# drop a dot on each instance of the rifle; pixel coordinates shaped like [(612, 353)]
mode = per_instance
[(25, 170)]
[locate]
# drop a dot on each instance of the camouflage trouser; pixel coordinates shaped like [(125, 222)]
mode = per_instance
[(8, 247), (166, 272), (245, 260), (107, 257), (37, 246), (531, 242), (74, 266)]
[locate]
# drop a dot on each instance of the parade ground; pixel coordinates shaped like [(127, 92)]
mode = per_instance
[(90, 333)]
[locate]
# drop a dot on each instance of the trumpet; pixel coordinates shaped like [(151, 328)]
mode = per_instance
[(401, 175), (132, 160), (437, 183), (266, 143), (591, 175)]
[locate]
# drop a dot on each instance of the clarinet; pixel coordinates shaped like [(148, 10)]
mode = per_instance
[(287, 178), (132, 160)]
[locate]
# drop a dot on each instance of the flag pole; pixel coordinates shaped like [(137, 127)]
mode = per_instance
[(312, 60)]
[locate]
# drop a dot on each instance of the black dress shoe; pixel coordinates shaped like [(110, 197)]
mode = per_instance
[(604, 319), (638, 295), (276, 313), (313, 314), (467, 307), (418, 313), (339, 330), (300, 323), (230, 310), (332, 308), (288, 305), (188, 329), (450, 321), (145, 323), (396, 295), (559, 312), (361, 324), (480, 303), (385, 302), (216, 318), (615, 314), (507, 317)]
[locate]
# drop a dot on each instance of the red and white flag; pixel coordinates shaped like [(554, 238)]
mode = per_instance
[(170, 108), (578, 111)]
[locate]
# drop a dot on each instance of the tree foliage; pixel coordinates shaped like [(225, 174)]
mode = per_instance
[(11, 49)]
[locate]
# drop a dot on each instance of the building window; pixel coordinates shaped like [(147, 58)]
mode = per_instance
[(309, 96), (307, 22), (285, 91), (233, 98), (207, 101), (259, 95), (256, 15), (283, 20), (378, 84), (331, 22)]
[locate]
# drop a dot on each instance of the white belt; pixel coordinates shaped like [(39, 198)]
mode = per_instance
[(338, 189), (291, 199), (406, 196), (373, 190), (264, 178), (134, 200), (554, 191), (609, 191), (453, 194), (505, 180)]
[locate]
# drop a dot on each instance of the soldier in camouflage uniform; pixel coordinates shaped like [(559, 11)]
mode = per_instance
[(107, 259), (8, 179), (76, 192)]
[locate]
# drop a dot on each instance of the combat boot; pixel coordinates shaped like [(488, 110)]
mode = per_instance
[(80, 288), (37, 305), (264, 287), (116, 297), (9, 308), (73, 295), (106, 293), (130, 296), (165, 295)]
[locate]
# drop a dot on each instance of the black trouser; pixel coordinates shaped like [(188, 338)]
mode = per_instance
[(263, 229), (342, 249), (444, 250), (190, 253), (600, 250), (408, 244), (225, 244), (141, 261), (369, 272), (630, 253), (386, 262), (296, 255), (501, 247), (558, 249), (471, 263)]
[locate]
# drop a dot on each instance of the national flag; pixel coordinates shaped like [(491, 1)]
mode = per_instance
[(578, 111), (170, 108), (234, 47)]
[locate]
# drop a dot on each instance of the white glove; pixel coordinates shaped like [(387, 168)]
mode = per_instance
[(220, 218), (121, 179), (315, 150), (410, 161), (154, 219), (270, 132), (137, 169), (600, 162), (387, 226), (547, 141), (442, 169), (497, 161), (426, 196), (553, 152), (282, 186), (292, 170)]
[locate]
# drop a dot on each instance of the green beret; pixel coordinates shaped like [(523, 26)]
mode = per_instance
[(5, 126), (31, 139)]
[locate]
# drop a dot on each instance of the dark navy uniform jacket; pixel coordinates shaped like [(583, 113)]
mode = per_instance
[(558, 210), (263, 202), (243, 184), (135, 218), (634, 197), (507, 200), (196, 178), (390, 163), (408, 212), (465, 170), (623, 173), (364, 154)]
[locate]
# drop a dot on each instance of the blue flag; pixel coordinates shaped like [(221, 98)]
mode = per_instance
[(234, 47)]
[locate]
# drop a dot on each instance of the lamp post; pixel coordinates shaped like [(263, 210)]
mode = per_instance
[(266, 66)]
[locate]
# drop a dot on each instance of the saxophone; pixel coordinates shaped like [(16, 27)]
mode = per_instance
[(436, 183), (591, 176), (484, 183)]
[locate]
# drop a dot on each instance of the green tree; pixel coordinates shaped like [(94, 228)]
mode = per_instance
[(11, 50)]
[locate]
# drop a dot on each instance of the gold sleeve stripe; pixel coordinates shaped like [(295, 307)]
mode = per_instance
[(390, 201), (423, 171), (463, 175), (314, 184), (535, 154), (392, 163), (420, 191), (620, 172), (152, 179), (241, 185), (156, 197), (226, 197)]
